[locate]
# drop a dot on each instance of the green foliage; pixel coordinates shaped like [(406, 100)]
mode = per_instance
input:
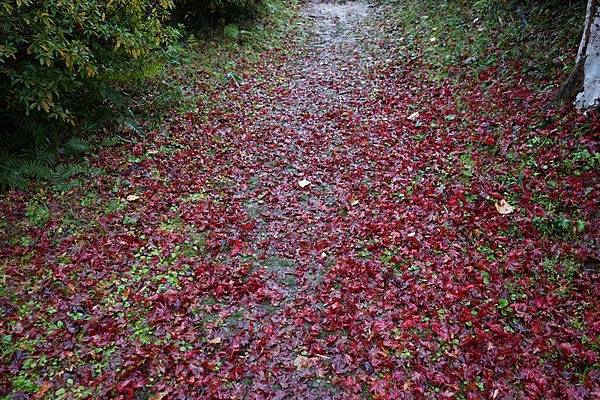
[(231, 32), (18, 169), (53, 51), (484, 33), (37, 213), (582, 160), (68, 63)]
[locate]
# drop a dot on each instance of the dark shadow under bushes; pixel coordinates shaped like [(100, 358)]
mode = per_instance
[(199, 15)]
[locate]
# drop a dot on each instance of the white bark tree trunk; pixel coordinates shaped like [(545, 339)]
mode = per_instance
[(588, 58)]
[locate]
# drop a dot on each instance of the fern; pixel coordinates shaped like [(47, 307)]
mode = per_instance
[(131, 124), (12, 175), (46, 156), (111, 141), (69, 185), (77, 146), (36, 169)]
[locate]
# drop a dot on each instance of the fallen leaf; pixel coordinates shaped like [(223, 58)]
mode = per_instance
[(413, 117), (301, 362), (216, 340), (303, 183), (42, 390), (236, 247), (503, 207)]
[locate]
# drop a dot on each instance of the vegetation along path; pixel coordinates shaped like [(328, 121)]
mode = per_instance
[(343, 224)]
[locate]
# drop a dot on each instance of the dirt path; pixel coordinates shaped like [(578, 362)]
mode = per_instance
[(330, 231)]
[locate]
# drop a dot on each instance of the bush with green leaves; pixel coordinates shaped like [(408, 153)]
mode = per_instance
[(55, 52)]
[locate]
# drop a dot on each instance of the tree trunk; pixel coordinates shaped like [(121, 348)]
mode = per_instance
[(588, 59), (582, 87)]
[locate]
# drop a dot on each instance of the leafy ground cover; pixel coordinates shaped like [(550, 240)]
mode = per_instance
[(341, 223)]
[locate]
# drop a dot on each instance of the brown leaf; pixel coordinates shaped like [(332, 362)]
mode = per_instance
[(42, 390), (504, 208), (216, 340), (301, 362), (158, 396)]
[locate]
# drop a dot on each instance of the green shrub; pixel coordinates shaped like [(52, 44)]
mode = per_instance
[(56, 56)]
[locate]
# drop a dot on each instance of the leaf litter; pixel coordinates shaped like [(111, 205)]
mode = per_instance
[(394, 278)]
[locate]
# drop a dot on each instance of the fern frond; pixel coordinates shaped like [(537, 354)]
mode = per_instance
[(77, 146)]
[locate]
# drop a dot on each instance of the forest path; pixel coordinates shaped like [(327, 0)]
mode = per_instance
[(330, 229)]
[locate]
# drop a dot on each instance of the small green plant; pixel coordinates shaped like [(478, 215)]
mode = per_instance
[(23, 383), (559, 226), (561, 268), (231, 32), (37, 213), (583, 160)]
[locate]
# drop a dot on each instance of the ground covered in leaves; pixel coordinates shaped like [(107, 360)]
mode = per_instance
[(340, 226)]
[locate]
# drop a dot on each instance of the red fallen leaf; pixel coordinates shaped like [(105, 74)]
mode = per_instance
[(129, 385), (138, 150), (568, 349), (409, 323), (236, 247)]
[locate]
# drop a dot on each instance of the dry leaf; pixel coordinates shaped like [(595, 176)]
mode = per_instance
[(413, 117), (504, 208), (158, 396), (301, 362), (303, 183), (133, 197), (42, 390)]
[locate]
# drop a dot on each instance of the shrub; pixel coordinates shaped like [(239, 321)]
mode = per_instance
[(57, 55)]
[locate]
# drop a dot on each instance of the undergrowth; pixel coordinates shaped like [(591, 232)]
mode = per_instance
[(540, 36)]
